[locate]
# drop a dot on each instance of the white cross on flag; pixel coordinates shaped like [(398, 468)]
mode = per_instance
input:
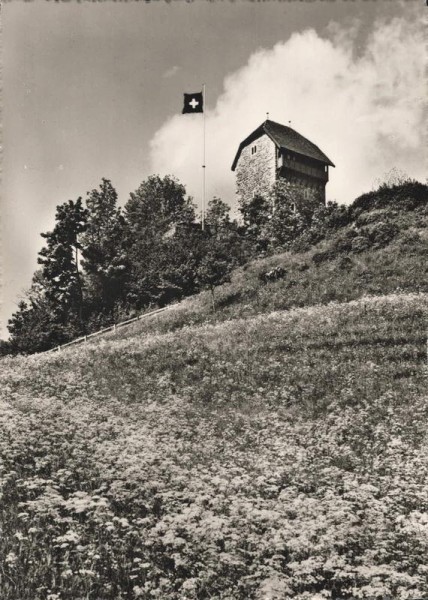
[(193, 103)]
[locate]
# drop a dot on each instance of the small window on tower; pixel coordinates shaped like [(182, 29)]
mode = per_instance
[(253, 149)]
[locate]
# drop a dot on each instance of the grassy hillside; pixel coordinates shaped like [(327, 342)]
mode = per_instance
[(383, 250), (279, 456), (274, 449)]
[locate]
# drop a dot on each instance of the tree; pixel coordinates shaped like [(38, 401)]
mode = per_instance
[(35, 329), (223, 248), (157, 205), (103, 254), (256, 214), (5, 348), (154, 214), (21, 326), (175, 265), (217, 215), (393, 177), (35, 326), (60, 263), (292, 209), (214, 267), (329, 217)]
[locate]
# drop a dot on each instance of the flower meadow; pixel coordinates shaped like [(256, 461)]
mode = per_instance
[(279, 456)]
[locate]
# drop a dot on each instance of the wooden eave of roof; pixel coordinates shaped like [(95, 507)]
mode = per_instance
[(278, 134)]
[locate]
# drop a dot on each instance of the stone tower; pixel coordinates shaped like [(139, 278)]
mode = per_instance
[(273, 151)]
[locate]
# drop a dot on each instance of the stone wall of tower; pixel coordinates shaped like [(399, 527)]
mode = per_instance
[(256, 172)]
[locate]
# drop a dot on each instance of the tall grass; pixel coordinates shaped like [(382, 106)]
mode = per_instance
[(278, 456)]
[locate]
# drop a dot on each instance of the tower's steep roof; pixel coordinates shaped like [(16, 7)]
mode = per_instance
[(286, 138)]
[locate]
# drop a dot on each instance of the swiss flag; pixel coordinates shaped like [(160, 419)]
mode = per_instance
[(193, 103)]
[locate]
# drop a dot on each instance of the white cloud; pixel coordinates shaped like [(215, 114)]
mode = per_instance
[(365, 110)]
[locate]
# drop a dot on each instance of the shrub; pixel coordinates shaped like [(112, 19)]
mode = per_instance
[(320, 257), (360, 243), (324, 220), (382, 233), (273, 275), (330, 217), (345, 263), (373, 216), (406, 196), (412, 243), (306, 240), (303, 267), (343, 243)]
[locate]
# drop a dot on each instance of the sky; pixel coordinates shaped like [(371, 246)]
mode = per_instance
[(92, 90)]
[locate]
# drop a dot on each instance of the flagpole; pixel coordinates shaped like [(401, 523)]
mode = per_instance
[(203, 163)]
